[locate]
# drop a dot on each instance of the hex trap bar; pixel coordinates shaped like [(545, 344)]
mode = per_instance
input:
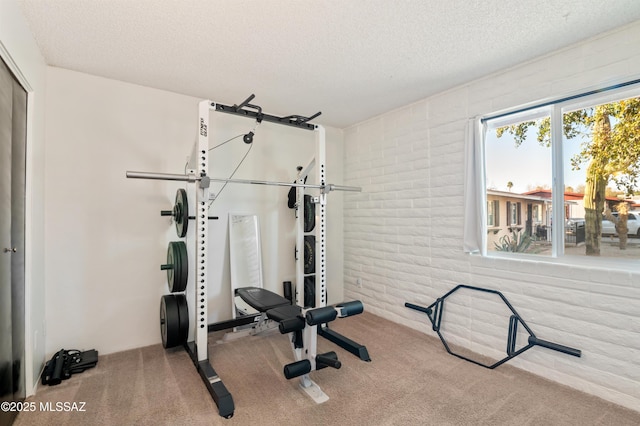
[(434, 312)]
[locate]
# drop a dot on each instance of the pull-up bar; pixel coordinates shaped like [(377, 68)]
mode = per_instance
[(299, 121), (205, 180)]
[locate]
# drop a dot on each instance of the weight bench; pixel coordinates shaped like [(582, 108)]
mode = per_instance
[(301, 324), (260, 299), (264, 301)]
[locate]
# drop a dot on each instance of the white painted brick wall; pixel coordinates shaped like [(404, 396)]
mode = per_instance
[(403, 233)]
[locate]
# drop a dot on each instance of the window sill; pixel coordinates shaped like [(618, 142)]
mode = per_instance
[(587, 262)]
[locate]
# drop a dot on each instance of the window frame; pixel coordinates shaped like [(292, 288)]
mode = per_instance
[(555, 110)]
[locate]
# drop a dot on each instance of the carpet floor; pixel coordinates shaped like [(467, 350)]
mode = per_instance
[(411, 380)]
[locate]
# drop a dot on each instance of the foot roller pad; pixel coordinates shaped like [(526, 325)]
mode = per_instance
[(297, 368), (321, 315), (291, 324), (347, 309)]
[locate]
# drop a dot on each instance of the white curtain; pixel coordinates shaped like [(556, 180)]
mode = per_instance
[(475, 210)]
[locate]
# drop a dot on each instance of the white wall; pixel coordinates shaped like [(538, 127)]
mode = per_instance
[(18, 48), (403, 234), (105, 238)]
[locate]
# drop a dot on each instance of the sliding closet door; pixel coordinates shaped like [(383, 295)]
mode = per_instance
[(18, 201), (12, 220), (6, 340)]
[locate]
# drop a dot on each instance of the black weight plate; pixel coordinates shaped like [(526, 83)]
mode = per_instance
[(174, 320), (171, 262), (169, 321), (181, 213), (181, 273), (291, 197), (309, 214), (163, 321), (309, 254), (310, 292), (183, 311), (178, 274)]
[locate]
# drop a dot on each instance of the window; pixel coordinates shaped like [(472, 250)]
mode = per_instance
[(518, 173), (514, 210), (493, 209), (537, 213), (569, 176)]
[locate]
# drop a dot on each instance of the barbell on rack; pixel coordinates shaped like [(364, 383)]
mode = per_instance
[(205, 180)]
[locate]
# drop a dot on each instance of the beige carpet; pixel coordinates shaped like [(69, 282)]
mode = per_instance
[(410, 381)]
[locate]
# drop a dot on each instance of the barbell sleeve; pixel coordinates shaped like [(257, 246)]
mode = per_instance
[(161, 176), (332, 187)]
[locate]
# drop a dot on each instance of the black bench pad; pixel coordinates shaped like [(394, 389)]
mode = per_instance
[(260, 299), (284, 312)]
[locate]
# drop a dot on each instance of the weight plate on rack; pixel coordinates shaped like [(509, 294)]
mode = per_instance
[(181, 213), (183, 309), (178, 266), (309, 214), (174, 320), (309, 254), (310, 291)]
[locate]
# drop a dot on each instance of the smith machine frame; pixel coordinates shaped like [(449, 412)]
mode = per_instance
[(198, 181)]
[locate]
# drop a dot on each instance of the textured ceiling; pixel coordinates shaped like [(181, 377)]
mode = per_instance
[(350, 59)]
